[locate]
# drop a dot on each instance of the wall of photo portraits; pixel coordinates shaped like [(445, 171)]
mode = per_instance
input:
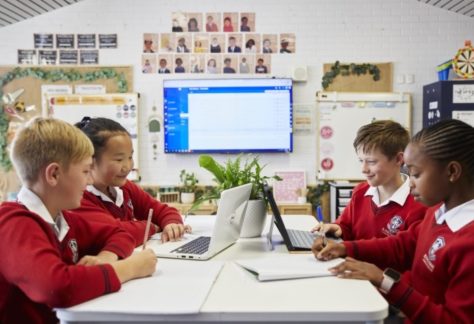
[(344, 30), (213, 43)]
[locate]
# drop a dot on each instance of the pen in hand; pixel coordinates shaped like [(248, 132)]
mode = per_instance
[(147, 228), (322, 233)]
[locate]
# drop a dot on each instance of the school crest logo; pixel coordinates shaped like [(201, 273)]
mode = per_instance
[(74, 250), (437, 244), (429, 258), (129, 204), (393, 226)]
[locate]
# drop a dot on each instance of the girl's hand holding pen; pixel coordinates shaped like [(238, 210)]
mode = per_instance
[(327, 250)]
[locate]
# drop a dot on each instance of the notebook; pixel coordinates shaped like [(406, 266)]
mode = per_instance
[(229, 219), (286, 266), (295, 240)]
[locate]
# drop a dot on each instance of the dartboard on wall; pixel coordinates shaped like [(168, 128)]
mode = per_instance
[(463, 63)]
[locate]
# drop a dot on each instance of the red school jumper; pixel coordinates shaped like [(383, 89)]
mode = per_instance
[(362, 219), (133, 213), (439, 288), (39, 273)]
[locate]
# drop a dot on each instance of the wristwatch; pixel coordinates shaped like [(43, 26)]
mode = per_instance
[(390, 277)]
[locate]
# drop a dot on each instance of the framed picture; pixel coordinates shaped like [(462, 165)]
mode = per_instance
[(287, 190)]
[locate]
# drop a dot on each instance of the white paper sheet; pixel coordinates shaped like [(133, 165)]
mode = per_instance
[(157, 294), (278, 267)]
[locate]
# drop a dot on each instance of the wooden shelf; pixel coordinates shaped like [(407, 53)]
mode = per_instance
[(208, 209), (204, 209), (295, 209)]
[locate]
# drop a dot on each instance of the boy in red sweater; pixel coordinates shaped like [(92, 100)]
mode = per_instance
[(382, 206), (111, 197), (50, 257), (438, 253)]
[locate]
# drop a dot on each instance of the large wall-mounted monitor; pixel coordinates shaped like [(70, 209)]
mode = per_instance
[(228, 115)]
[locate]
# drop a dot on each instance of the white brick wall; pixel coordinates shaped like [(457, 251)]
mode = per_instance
[(414, 36)]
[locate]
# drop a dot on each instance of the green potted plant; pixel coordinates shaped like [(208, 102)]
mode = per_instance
[(188, 186), (234, 173)]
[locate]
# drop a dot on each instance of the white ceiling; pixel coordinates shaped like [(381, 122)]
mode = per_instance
[(463, 7), (13, 11)]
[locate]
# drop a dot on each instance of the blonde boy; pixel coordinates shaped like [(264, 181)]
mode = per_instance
[(382, 206), (50, 257)]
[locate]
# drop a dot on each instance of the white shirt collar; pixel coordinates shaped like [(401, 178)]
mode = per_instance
[(118, 194), (34, 204), (399, 196), (457, 217)]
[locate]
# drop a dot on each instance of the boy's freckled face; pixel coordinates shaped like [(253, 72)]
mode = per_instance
[(115, 162), (74, 182), (377, 168)]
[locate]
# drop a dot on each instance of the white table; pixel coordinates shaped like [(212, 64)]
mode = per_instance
[(237, 296)]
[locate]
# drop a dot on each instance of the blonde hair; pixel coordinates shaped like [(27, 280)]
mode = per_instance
[(46, 140)]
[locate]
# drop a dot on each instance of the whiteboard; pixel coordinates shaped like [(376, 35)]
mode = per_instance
[(340, 115), (120, 107)]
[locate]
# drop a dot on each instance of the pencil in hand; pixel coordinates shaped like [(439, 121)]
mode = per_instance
[(321, 226), (147, 228)]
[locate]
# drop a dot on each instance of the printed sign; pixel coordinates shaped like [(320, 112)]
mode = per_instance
[(86, 41), (68, 57), (65, 41), (107, 40), (43, 40), (26, 56)]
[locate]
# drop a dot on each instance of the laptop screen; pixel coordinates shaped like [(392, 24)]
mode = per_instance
[(267, 191)]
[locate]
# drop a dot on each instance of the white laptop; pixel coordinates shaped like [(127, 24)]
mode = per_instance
[(229, 219)]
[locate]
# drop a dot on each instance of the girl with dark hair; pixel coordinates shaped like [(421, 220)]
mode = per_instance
[(112, 198), (437, 255)]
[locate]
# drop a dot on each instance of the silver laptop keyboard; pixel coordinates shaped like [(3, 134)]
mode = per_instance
[(301, 238), (199, 245)]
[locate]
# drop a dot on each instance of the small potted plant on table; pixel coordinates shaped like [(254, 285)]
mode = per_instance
[(188, 186)]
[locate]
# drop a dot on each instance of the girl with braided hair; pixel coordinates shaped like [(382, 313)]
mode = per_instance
[(437, 255)]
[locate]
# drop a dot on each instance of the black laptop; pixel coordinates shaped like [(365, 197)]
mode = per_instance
[(295, 240)]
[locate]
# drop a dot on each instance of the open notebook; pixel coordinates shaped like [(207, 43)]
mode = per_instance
[(284, 266)]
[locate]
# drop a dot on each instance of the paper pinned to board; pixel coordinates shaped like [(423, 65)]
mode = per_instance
[(281, 267), (149, 295)]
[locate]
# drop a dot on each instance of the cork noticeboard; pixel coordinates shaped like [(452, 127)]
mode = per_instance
[(32, 97), (362, 83)]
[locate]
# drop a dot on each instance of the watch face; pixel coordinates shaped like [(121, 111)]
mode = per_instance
[(395, 275)]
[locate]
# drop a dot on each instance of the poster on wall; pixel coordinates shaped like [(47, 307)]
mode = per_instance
[(43, 40), (213, 22), (229, 22), (68, 57), (150, 43), (47, 57), (291, 186), (148, 63), (287, 43), (164, 62), (194, 22), (66, 41), (89, 57), (86, 41), (247, 22), (178, 21), (263, 64), (108, 41), (269, 43), (26, 56)]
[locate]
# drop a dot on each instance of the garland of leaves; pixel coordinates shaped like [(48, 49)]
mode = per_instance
[(348, 69), (50, 76)]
